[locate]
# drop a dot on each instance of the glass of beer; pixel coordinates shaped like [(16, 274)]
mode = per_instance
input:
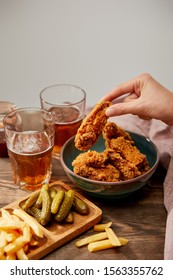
[(29, 136), (5, 107), (67, 105)]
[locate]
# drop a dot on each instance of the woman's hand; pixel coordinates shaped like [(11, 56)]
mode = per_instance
[(144, 97)]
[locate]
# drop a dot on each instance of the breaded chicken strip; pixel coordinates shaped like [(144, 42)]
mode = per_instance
[(92, 126), (127, 169), (129, 152), (95, 166), (91, 158), (112, 131), (108, 173)]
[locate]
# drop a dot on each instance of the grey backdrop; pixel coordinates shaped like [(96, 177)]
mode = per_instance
[(95, 44)]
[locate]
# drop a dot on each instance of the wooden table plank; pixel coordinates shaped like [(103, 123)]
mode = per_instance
[(140, 218)]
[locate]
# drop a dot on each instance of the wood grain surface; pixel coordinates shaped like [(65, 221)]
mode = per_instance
[(140, 218)]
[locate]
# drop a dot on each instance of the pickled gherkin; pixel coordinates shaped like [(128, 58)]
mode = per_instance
[(57, 200), (53, 192), (45, 215), (31, 200), (39, 199), (80, 206), (65, 206), (69, 218), (35, 212)]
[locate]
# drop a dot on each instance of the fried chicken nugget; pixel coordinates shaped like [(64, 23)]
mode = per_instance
[(92, 126)]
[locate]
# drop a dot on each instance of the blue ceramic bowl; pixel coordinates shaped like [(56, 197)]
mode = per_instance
[(110, 189)]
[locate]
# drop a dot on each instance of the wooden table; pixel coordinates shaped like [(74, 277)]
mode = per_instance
[(140, 218)]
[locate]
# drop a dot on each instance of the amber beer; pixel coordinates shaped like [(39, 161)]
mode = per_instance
[(31, 170), (30, 139), (67, 123), (32, 164)]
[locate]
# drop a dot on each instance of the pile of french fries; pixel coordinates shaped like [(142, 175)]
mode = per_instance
[(18, 232), (104, 239)]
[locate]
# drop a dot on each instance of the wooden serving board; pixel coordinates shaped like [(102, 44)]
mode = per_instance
[(57, 234)]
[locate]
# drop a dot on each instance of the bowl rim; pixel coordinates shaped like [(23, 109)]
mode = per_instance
[(112, 183)]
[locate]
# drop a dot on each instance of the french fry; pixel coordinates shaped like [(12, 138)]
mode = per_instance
[(15, 218), (11, 224), (123, 241), (91, 238), (10, 237), (100, 245), (30, 221), (5, 214), (105, 244), (14, 246), (21, 254), (26, 234), (112, 237), (101, 227), (3, 240), (11, 256)]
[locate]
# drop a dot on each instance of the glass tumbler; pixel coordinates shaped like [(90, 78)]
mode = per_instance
[(67, 105), (5, 107), (29, 136)]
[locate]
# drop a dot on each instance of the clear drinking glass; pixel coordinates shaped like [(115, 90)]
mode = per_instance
[(67, 105), (29, 136), (5, 107)]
